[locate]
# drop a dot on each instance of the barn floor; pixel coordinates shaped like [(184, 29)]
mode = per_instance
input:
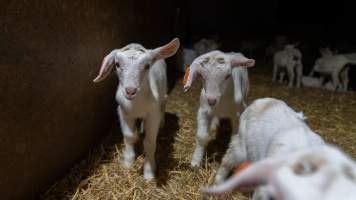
[(101, 176)]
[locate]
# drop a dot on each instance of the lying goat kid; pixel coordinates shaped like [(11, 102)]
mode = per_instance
[(268, 128)]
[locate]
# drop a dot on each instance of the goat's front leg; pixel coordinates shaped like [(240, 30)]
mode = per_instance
[(201, 137), (152, 123), (234, 156), (130, 137), (299, 70), (281, 77)]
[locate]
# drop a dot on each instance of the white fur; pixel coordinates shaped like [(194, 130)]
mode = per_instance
[(290, 60), (145, 70), (226, 82), (313, 82)]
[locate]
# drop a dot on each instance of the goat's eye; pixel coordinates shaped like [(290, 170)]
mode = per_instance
[(228, 76), (117, 65), (205, 60), (220, 60), (147, 66), (307, 166)]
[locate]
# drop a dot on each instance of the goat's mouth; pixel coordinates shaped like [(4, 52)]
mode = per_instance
[(130, 97)]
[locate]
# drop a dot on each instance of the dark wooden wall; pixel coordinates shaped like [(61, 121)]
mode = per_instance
[(51, 113)]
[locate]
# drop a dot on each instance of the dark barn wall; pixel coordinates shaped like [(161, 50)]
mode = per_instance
[(51, 113)]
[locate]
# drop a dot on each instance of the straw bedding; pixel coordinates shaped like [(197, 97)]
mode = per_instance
[(101, 176)]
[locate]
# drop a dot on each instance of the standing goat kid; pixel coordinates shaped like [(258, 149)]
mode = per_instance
[(141, 94), (225, 88), (290, 60)]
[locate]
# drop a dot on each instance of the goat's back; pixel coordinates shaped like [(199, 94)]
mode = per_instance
[(269, 126)]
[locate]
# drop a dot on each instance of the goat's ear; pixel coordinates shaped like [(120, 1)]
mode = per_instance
[(189, 76), (254, 175), (238, 60), (167, 50), (106, 66)]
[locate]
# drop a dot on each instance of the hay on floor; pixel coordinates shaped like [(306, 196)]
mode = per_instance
[(101, 175)]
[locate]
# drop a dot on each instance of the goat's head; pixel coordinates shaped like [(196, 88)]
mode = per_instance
[(132, 64), (215, 70)]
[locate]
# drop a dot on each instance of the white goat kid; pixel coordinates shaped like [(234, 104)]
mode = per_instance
[(290, 59), (225, 88), (141, 94), (322, 172), (268, 128)]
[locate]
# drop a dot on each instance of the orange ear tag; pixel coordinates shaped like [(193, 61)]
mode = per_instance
[(242, 167), (186, 75)]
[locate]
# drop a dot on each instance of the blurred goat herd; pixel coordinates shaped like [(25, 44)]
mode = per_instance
[(289, 160), (330, 71)]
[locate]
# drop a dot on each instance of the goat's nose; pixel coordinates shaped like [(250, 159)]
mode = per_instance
[(130, 91), (212, 101)]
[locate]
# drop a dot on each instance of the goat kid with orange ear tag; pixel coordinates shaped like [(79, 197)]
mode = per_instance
[(225, 83)]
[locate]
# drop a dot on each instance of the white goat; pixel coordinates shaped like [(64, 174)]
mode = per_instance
[(290, 59), (268, 128), (322, 172), (225, 87), (141, 94), (334, 65)]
